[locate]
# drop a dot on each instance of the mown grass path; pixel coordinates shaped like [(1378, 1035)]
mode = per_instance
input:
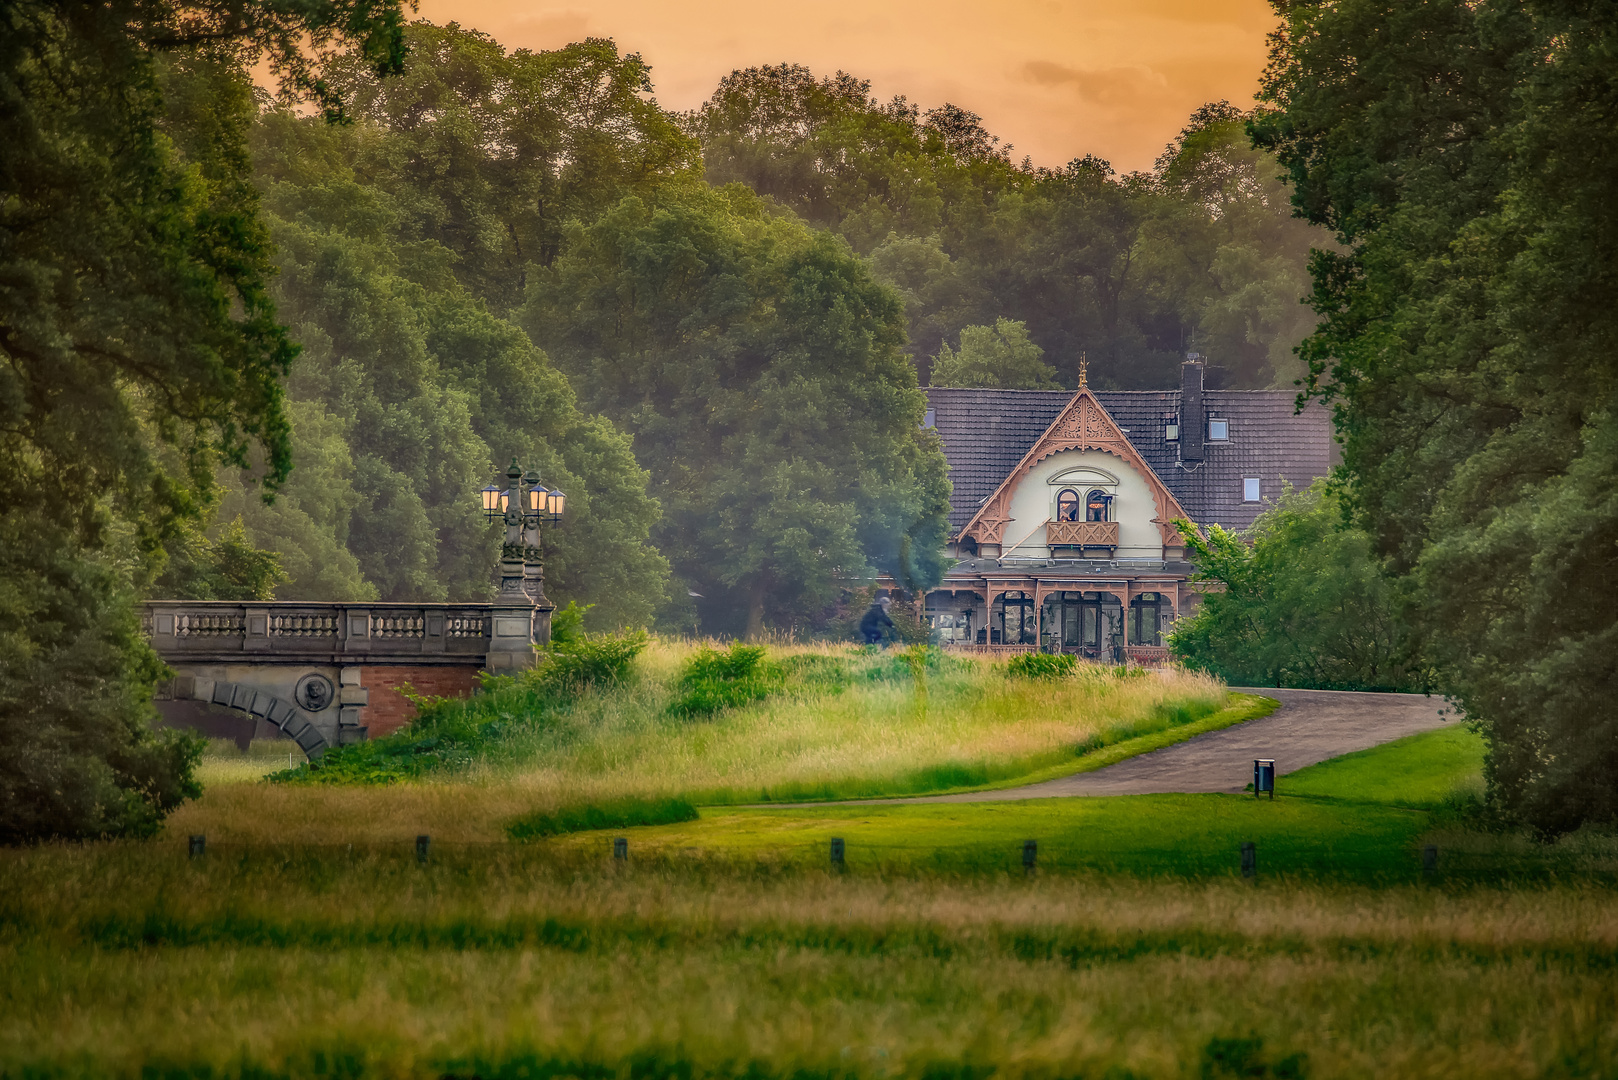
[(1310, 726)]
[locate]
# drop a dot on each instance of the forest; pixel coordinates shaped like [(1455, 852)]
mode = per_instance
[(707, 328)]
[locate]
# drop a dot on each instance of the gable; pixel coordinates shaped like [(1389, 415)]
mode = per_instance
[(1082, 425)]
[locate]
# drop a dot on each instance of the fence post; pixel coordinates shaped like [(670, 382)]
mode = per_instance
[(620, 848), (1429, 859), (1030, 852), (1249, 859), (421, 848), (199, 845), (837, 853)]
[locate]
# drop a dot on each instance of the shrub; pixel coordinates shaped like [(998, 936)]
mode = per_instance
[(452, 732), (594, 661), (712, 681), (1042, 665), (619, 814)]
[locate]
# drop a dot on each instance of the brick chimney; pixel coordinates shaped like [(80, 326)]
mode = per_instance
[(1193, 418)]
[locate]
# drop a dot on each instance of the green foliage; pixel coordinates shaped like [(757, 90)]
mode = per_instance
[(1000, 355), (759, 369), (78, 758), (585, 661), (229, 568), (139, 348), (1304, 603), (617, 814), (411, 387), (449, 734), (712, 681), (1042, 665), (1467, 347), (1124, 269)]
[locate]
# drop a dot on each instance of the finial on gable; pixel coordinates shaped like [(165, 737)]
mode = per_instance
[(1084, 372)]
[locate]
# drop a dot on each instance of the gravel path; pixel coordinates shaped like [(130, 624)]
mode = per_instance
[(1310, 726)]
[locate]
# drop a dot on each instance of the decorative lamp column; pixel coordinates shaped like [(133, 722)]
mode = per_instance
[(511, 642), (535, 499)]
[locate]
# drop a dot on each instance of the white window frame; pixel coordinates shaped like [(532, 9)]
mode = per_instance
[(1252, 489), (1212, 420)]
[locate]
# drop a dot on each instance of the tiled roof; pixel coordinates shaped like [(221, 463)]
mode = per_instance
[(986, 432)]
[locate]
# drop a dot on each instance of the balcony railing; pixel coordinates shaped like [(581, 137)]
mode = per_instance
[(1081, 534)]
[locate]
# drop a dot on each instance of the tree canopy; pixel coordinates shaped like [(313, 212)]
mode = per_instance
[(1000, 355), (141, 349), (1300, 601), (1463, 153), (1129, 271), (761, 372)]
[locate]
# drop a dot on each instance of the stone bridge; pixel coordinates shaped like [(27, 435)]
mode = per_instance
[(330, 674)]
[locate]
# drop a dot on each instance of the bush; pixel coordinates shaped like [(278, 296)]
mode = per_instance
[(619, 814), (713, 681), (1042, 665), (452, 732)]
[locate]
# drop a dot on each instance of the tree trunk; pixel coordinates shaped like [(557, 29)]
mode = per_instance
[(755, 610)]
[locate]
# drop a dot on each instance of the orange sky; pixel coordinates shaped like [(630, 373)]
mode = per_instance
[(1057, 78)]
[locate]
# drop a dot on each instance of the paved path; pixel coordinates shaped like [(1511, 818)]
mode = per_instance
[(1310, 726)]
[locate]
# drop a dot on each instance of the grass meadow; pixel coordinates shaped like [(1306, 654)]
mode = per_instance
[(310, 941)]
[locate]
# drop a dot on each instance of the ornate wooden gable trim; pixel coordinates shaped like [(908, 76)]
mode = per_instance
[(1084, 424)]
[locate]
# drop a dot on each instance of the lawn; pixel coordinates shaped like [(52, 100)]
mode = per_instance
[(1358, 817), (727, 948)]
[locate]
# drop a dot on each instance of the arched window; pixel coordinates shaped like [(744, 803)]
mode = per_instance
[(1098, 507), (1067, 506)]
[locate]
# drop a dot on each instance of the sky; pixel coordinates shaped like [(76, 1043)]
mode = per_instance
[(1058, 79)]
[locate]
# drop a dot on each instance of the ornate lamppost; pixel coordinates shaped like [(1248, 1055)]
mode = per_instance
[(522, 614)]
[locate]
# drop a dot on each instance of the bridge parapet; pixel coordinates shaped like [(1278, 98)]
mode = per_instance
[(310, 669), (192, 630)]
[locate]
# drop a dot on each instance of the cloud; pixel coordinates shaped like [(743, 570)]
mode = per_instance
[(1106, 86)]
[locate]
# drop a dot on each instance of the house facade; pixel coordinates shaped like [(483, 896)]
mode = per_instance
[(1061, 518)]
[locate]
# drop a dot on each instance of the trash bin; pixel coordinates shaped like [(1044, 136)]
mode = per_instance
[(1263, 776)]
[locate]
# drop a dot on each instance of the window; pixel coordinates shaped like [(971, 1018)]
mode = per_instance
[(1218, 430), (1067, 506), (1250, 489), (929, 418), (1096, 507)]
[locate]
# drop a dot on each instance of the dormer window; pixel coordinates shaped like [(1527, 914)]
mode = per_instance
[(1098, 506), (1067, 506), (1218, 430)]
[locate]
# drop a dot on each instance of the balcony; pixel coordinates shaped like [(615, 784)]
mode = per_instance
[(1081, 534)]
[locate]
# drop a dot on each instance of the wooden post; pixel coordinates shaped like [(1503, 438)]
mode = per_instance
[(421, 848), (199, 845), (1249, 859), (1030, 853), (620, 848), (837, 852), (1429, 859)]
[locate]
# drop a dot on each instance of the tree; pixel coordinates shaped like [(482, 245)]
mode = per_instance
[(761, 373), (488, 153), (410, 392), (1300, 601), (141, 348), (1463, 153), (999, 355)]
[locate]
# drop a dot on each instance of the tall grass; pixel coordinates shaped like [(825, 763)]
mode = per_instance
[(123, 960), (840, 722)]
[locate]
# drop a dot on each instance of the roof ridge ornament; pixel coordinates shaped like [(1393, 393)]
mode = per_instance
[(1084, 372)]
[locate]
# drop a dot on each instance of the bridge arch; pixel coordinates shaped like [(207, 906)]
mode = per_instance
[(259, 704)]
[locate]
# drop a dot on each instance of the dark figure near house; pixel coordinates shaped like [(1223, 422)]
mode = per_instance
[(876, 621)]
